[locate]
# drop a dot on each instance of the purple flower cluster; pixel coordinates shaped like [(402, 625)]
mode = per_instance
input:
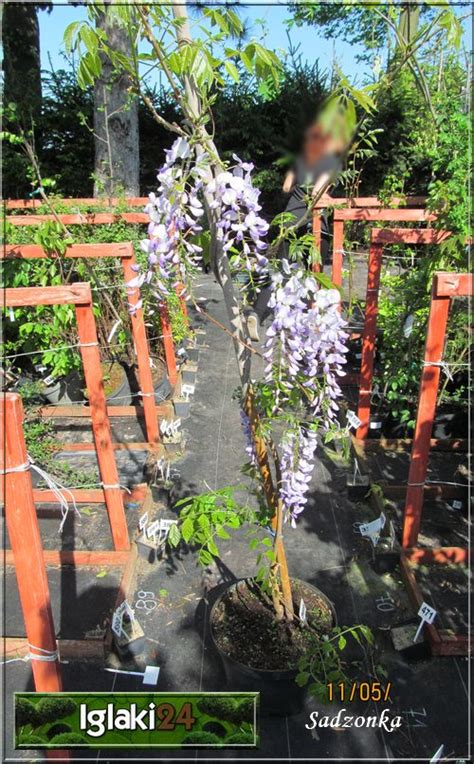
[(174, 211), (304, 353), (250, 446), (305, 346), (240, 228), (296, 470)]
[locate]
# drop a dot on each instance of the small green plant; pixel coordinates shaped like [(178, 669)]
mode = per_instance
[(323, 663)]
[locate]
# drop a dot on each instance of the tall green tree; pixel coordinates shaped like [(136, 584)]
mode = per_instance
[(21, 59)]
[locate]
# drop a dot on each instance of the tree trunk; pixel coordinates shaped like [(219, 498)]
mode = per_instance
[(117, 163), (21, 60)]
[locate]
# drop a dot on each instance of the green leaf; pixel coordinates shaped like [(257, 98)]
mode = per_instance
[(101, 574), (187, 529), (232, 70), (301, 679), (174, 535), (341, 642)]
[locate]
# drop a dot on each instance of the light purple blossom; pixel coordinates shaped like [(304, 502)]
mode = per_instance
[(250, 446), (296, 470)]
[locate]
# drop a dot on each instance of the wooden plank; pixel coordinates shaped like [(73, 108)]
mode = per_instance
[(368, 339), (133, 446), (168, 344), (408, 236), (101, 425), (138, 201), (83, 495), (35, 252), (317, 266), (434, 347), (404, 444), (453, 285), (20, 297), (135, 201), (69, 649), (27, 550), (452, 644), (142, 353), (163, 410), (83, 558), (442, 555), (383, 214), (429, 492), (97, 218)]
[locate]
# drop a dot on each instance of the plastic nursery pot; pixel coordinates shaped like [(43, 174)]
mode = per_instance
[(279, 693), (163, 390), (385, 558), (117, 383), (132, 644), (357, 486), (181, 408), (149, 551), (66, 390), (403, 634)]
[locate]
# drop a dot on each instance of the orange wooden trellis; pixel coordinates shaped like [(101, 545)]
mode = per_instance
[(445, 287), (30, 560), (80, 296), (381, 237), (369, 215), (126, 254), (103, 218)]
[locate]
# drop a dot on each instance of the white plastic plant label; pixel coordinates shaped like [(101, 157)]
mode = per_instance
[(457, 504), (187, 390), (143, 521), (427, 615), (153, 529), (151, 675), (375, 425), (352, 419), (302, 612), (118, 616), (437, 756), (372, 529), (408, 326)]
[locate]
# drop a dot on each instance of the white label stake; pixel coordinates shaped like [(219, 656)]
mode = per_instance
[(352, 419), (372, 530), (302, 612), (437, 756), (427, 615)]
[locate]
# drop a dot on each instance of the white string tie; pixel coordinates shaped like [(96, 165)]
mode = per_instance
[(42, 655), (443, 365), (115, 485)]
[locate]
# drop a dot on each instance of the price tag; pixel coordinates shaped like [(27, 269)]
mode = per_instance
[(427, 615), (372, 529), (302, 612), (352, 419)]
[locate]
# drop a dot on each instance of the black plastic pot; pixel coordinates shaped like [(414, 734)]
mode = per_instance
[(358, 487), (279, 693), (66, 390)]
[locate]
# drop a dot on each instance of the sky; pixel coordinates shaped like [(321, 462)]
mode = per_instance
[(308, 40)]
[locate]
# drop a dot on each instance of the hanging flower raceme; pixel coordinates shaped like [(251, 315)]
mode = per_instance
[(241, 229), (175, 212), (304, 353), (250, 445), (296, 465)]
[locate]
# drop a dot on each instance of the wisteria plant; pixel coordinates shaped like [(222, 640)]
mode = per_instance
[(303, 353), (286, 413)]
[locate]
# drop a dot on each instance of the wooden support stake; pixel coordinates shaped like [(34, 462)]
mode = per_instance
[(25, 540), (368, 339), (317, 266)]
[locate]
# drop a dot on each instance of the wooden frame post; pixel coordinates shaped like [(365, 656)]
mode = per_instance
[(140, 340), (80, 296), (369, 338), (445, 286), (317, 267), (27, 549), (337, 251), (168, 344)]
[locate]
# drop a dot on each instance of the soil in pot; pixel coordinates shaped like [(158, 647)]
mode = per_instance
[(245, 629)]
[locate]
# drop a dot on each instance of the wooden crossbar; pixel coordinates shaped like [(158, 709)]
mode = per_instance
[(87, 218), (369, 215)]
